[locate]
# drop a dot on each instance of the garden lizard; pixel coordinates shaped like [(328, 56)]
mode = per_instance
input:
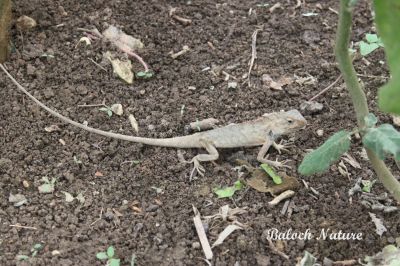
[(259, 132)]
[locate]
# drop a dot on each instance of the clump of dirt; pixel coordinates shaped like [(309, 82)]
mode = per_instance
[(140, 201)]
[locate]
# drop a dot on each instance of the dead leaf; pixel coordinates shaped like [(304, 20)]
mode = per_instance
[(123, 70), (80, 198), (25, 23), (276, 85), (353, 162), (85, 40), (117, 109), (262, 183), (380, 228), (52, 128), (134, 123), (225, 233), (309, 80), (257, 182), (202, 234), (122, 40), (68, 196), (17, 199)]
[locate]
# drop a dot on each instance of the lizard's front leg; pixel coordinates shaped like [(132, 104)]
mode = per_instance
[(211, 156), (264, 149)]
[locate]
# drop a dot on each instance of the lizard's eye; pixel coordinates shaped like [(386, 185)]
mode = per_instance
[(290, 121)]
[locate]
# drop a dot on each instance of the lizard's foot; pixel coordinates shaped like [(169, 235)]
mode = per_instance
[(197, 168), (282, 146), (276, 163)]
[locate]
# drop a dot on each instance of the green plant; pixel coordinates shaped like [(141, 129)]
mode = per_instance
[(372, 43), (268, 169), (34, 250), (144, 74), (48, 186), (228, 192), (379, 141), (109, 256), (107, 110)]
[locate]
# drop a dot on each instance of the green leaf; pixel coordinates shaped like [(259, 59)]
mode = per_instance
[(110, 251), (320, 159), (367, 48), (46, 188), (387, 14), (367, 185), (107, 110), (114, 262), (144, 74), (238, 185), (102, 256), (228, 192), (383, 140), (38, 246), (268, 169), (371, 38), (22, 257), (370, 120)]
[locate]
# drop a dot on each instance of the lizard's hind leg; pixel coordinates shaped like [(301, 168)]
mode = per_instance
[(211, 156), (264, 149)]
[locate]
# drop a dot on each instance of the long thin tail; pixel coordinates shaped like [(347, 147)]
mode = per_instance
[(177, 142)]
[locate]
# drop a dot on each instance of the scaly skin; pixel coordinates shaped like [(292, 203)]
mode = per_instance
[(262, 131)]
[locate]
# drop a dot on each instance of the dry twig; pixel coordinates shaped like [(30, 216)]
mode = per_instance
[(253, 53)]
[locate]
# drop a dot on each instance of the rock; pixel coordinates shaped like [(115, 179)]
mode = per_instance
[(48, 93), (152, 208), (396, 120), (311, 107), (196, 245), (30, 70), (5, 165), (320, 132), (311, 37), (263, 260), (232, 85), (25, 23), (82, 90)]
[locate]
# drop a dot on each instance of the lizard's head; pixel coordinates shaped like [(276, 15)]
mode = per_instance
[(286, 122)]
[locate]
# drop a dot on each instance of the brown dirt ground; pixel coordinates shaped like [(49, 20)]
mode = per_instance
[(163, 234)]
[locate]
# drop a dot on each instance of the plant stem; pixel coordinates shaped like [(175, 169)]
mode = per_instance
[(357, 94), (5, 23)]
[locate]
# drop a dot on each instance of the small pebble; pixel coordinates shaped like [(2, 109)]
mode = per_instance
[(81, 90), (55, 253), (30, 69), (311, 107), (25, 23), (196, 245), (320, 132), (192, 88), (232, 85), (25, 183)]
